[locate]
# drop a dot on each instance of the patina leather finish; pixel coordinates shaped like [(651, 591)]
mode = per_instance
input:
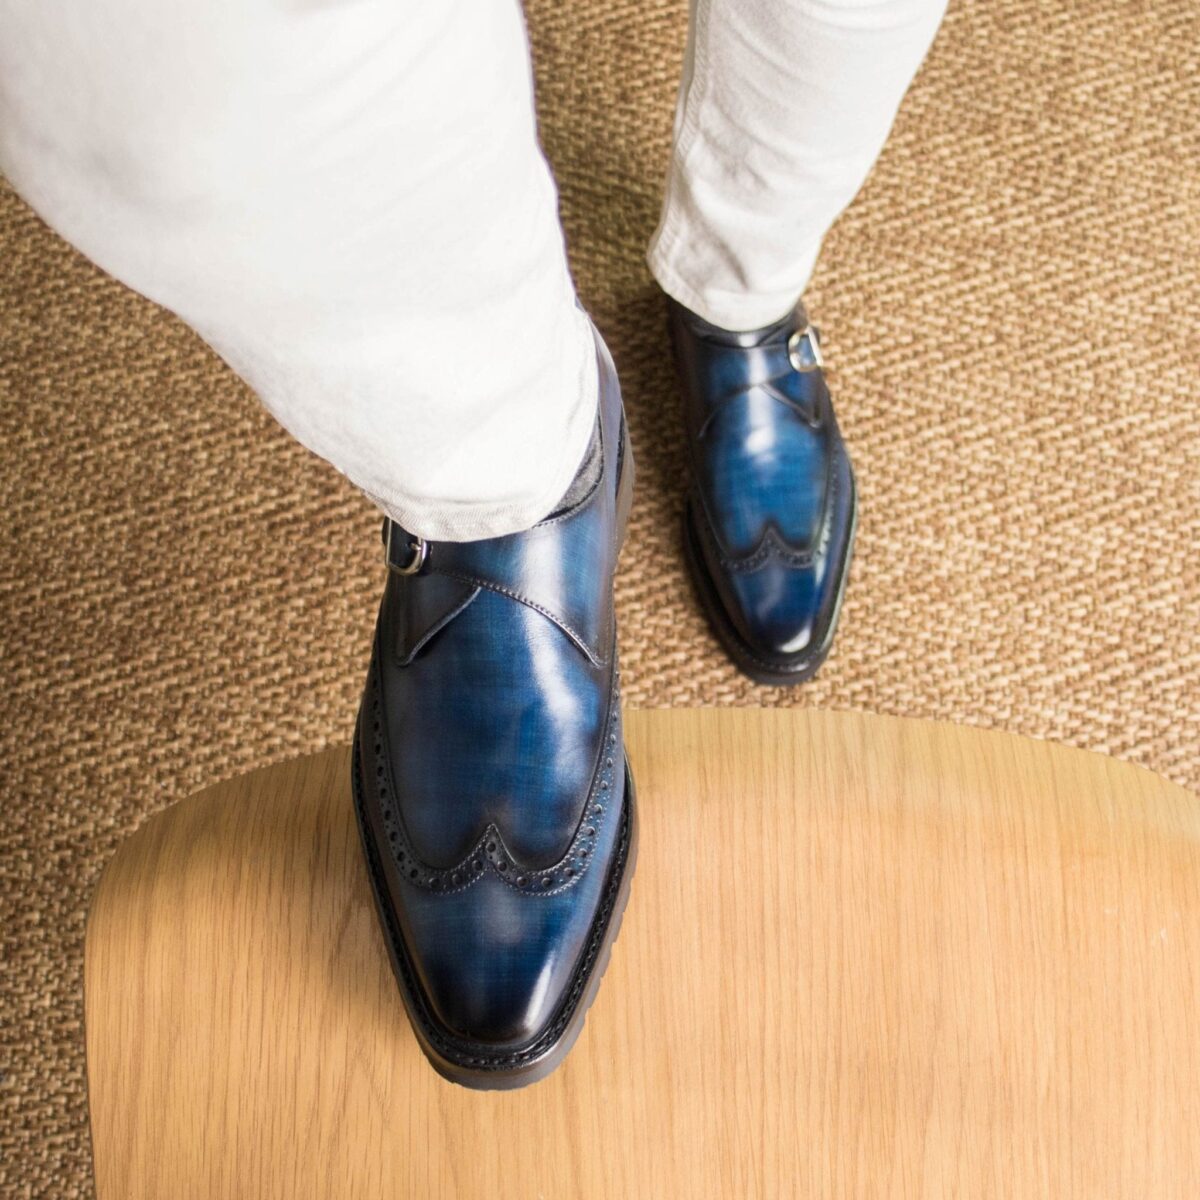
[(494, 797), (769, 521)]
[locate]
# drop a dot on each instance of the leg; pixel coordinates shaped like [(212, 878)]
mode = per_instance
[(349, 204), (783, 108)]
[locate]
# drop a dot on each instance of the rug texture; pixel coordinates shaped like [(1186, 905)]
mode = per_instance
[(1010, 314)]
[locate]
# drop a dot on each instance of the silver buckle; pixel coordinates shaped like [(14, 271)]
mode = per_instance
[(805, 360), (417, 545)]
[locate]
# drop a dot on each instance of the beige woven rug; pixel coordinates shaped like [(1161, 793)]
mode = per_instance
[(1010, 310)]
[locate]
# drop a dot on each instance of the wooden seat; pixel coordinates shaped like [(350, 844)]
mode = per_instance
[(864, 957)]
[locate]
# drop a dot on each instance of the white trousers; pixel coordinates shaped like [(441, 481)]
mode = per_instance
[(347, 201)]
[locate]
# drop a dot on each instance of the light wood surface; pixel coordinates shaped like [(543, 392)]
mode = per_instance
[(864, 957)]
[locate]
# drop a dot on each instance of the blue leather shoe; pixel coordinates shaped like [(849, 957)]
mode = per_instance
[(494, 800), (769, 521)]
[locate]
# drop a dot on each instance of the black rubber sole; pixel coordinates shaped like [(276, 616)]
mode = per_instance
[(479, 1066), (743, 656)]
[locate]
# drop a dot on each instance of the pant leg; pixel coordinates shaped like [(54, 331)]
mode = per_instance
[(783, 109), (348, 202)]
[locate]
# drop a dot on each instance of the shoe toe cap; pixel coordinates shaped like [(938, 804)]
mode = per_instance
[(781, 600), (497, 965), (777, 609), (493, 963)]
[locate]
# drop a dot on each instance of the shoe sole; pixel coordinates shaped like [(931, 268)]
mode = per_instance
[(744, 657), (479, 1066)]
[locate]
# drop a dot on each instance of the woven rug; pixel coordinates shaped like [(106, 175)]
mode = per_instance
[(1009, 309)]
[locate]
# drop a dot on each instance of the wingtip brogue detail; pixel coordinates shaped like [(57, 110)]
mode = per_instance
[(506, 1057), (490, 852), (770, 518)]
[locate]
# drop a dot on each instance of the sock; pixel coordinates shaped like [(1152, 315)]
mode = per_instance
[(586, 477)]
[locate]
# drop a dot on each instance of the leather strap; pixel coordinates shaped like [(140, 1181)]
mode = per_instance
[(560, 568), (735, 370)]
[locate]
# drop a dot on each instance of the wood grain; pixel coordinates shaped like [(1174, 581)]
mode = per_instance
[(864, 957)]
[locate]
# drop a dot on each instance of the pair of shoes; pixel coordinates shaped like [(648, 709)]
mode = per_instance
[(494, 801)]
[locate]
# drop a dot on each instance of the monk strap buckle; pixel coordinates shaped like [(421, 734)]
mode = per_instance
[(804, 349), (418, 552)]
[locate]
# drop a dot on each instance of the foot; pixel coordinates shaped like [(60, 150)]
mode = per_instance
[(769, 522), (494, 800)]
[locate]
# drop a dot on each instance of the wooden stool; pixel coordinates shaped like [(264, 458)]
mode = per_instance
[(864, 957)]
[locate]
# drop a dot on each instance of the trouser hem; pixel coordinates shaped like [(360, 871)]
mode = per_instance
[(439, 519)]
